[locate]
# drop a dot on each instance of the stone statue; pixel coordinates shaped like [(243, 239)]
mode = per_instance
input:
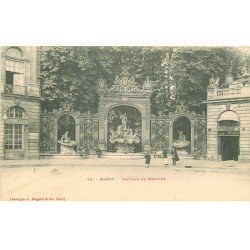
[(124, 120), (123, 139), (182, 137), (65, 138), (67, 145), (214, 83), (119, 130)]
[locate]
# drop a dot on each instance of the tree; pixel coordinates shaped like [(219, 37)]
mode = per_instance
[(68, 75), (71, 74), (193, 67), (162, 99)]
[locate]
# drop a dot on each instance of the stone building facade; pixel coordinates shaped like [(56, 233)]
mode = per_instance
[(125, 96), (20, 102), (228, 120), (125, 92), (26, 133)]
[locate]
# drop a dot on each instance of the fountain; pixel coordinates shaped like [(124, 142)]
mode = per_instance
[(124, 138), (181, 144), (67, 145)]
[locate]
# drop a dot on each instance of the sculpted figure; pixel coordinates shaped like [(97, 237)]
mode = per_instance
[(67, 145), (65, 138), (124, 120), (182, 137)]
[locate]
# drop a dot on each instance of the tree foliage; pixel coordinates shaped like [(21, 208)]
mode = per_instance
[(193, 67), (71, 74)]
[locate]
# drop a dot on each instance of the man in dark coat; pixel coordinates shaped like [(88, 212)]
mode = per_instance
[(148, 158), (175, 156)]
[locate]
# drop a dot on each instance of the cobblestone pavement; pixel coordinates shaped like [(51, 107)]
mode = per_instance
[(110, 179)]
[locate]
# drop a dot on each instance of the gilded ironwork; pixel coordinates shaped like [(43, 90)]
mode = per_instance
[(162, 129), (86, 129)]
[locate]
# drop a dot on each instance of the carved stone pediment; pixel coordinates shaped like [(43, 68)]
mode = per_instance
[(182, 110), (65, 106), (125, 83)]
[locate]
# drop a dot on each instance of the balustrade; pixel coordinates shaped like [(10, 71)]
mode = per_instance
[(31, 89), (223, 93)]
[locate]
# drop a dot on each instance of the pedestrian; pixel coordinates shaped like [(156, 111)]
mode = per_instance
[(175, 156), (198, 154), (165, 154), (148, 158), (166, 161)]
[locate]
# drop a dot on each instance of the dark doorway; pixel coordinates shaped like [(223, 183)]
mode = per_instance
[(66, 123), (182, 123), (229, 147)]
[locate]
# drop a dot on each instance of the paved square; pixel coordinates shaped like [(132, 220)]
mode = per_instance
[(105, 179)]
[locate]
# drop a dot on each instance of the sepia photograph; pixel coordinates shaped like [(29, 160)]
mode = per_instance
[(125, 123)]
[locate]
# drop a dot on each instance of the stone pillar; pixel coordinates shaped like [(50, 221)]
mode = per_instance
[(102, 120), (102, 131), (146, 126), (212, 143), (32, 145), (192, 136), (1, 140), (55, 137), (244, 139), (27, 139), (77, 139), (170, 135), (2, 74), (145, 134), (3, 111)]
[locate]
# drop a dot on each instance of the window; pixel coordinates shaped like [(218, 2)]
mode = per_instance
[(14, 66), (13, 136), (14, 133), (14, 71), (15, 112)]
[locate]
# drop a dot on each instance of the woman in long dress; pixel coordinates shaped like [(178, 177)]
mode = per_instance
[(166, 161), (148, 158), (165, 155)]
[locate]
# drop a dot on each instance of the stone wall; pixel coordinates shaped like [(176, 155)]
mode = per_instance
[(31, 137), (213, 112), (244, 114), (29, 100), (241, 107)]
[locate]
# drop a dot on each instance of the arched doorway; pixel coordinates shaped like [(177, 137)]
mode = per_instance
[(124, 123), (66, 123), (182, 134), (228, 136)]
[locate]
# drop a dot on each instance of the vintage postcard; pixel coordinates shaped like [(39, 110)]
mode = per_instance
[(124, 123)]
